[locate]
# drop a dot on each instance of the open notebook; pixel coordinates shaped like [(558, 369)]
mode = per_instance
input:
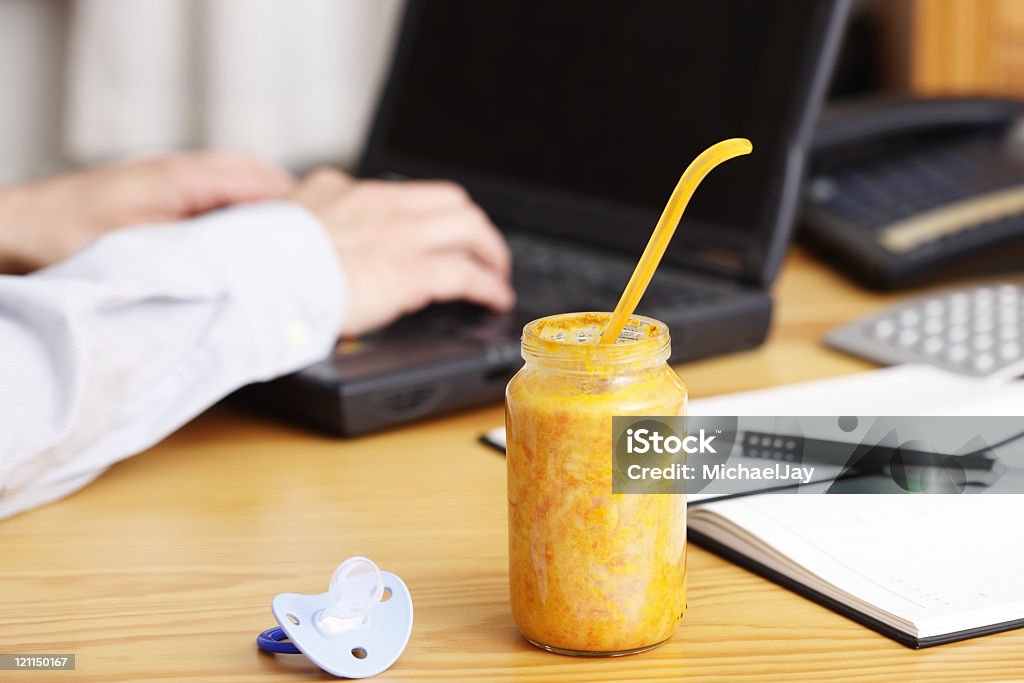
[(923, 570)]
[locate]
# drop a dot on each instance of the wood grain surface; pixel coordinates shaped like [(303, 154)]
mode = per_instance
[(164, 568)]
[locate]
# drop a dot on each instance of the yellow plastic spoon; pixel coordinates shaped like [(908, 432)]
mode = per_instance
[(666, 227)]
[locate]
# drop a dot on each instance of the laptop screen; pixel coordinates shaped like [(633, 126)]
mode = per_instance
[(576, 118)]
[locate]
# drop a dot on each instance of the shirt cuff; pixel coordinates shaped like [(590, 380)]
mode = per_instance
[(285, 277)]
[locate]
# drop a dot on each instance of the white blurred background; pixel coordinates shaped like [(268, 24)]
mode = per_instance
[(89, 80)]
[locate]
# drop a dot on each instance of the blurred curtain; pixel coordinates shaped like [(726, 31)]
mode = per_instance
[(292, 80)]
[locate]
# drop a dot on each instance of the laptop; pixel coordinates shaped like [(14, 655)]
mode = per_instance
[(570, 123)]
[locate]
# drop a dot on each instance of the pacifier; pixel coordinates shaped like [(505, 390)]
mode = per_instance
[(358, 628)]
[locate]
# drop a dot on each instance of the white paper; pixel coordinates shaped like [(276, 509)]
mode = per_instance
[(928, 564)]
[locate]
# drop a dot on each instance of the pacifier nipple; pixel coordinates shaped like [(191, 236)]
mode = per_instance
[(355, 588)]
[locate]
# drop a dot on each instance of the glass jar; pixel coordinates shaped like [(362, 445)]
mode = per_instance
[(590, 572)]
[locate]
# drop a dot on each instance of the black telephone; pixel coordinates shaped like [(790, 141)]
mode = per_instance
[(906, 191)]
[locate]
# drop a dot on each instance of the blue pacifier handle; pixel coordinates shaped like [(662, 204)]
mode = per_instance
[(276, 640)]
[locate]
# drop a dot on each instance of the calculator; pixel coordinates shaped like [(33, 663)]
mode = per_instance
[(974, 331)]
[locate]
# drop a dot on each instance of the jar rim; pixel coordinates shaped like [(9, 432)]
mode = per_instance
[(573, 337)]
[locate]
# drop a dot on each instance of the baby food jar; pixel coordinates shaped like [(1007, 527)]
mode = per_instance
[(590, 572)]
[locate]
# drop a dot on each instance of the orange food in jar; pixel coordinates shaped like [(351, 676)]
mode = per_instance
[(590, 571)]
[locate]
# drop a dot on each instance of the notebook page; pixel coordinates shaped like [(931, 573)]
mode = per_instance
[(941, 563), (896, 390)]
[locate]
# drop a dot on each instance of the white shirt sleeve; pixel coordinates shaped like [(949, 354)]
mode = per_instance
[(105, 354)]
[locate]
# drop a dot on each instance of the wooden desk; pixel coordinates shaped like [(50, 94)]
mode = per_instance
[(165, 567)]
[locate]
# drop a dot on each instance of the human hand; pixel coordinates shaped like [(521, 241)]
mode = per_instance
[(46, 221), (404, 245)]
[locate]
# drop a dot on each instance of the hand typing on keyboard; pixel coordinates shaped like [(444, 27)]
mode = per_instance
[(404, 245)]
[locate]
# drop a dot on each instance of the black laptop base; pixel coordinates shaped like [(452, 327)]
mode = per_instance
[(453, 357)]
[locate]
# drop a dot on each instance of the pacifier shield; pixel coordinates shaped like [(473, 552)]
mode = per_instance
[(358, 628)]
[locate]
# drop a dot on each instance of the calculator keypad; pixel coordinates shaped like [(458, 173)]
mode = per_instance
[(975, 331)]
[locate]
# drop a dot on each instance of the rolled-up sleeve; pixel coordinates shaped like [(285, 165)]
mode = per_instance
[(105, 354)]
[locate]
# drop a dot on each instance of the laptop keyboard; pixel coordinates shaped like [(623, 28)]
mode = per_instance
[(550, 278)]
